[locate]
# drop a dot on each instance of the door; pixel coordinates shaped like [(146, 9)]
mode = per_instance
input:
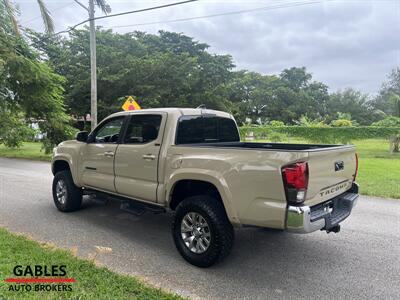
[(136, 159), (98, 155)]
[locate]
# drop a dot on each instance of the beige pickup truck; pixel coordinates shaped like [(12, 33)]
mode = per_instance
[(192, 162)]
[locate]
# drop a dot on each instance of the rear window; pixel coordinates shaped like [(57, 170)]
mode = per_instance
[(206, 129)]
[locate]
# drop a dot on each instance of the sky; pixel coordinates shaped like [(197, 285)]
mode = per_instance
[(343, 43)]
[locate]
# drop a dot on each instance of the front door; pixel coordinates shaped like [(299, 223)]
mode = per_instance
[(136, 159), (98, 155)]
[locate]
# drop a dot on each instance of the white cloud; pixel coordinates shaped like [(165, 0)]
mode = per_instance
[(343, 43)]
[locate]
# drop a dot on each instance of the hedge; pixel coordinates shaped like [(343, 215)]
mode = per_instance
[(322, 134)]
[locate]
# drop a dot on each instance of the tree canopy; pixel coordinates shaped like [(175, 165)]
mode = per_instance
[(172, 69), (30, 91), (48, 80)]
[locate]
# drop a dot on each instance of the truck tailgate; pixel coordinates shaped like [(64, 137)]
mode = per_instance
[(331, 173)]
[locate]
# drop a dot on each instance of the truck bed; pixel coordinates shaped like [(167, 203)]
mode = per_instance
[(325, 181), (269, 146)]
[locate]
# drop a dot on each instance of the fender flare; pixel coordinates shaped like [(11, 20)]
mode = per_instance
[(68, 160), (211, 177)]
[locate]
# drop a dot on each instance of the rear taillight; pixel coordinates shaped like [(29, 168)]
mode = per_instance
[(295, 178), (356, 172)]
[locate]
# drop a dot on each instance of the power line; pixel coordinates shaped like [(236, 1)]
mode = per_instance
[(126, 13), (264, 8)]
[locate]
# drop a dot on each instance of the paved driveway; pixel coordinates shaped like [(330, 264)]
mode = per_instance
[(362, 261)]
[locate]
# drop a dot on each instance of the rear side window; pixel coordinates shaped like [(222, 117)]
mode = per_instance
[(142, 129), (206, 129)]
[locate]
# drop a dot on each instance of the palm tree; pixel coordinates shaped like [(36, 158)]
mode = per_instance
[(46, 15)]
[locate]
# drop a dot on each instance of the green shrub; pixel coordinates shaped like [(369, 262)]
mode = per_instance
[(275, 137), (394, 138), (324, 134), (14, 130), (388, 122), (342, 123), (275, 123), (305, 121)]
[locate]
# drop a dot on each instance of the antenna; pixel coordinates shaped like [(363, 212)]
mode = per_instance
[(201, 106)]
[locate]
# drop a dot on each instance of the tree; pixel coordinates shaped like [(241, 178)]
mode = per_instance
[(285, 98), (395, 139), (167, 69), (172, 69), (29, 91), (45, 13), (296, 78), (252, 95), (353, 103), (388, 99)]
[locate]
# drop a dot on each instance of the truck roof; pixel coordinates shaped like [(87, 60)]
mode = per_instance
[(176, 111)]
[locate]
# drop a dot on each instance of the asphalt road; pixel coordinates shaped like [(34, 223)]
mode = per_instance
[(362, 261)]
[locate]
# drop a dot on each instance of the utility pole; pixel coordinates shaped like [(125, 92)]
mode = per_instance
[(93, 69)]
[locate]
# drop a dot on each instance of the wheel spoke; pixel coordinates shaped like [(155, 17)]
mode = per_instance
[(191, 242), (203, 245), (185, 227), (189, 218), (61, 191), (195, 232), (193, 218), (199, 248), (188, 239)]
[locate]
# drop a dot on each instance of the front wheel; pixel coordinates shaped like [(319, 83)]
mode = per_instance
[(66, 195), (202, 232)]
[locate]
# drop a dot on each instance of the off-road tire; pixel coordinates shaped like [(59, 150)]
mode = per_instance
[(73, 199), (221, 230)]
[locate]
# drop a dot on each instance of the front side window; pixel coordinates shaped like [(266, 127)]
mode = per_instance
[(142, 129), (206, 129), (109, 131)]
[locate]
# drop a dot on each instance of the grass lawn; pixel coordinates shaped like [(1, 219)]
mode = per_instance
[(29, 150), (379, 172), (92, 282)]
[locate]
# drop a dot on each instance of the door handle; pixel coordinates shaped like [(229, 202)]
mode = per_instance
[(109, 154), (149, 156)]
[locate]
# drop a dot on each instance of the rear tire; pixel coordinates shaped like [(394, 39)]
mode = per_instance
[(202, 232), (66, 195)]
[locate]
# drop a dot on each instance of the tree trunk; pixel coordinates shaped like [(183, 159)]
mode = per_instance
[(395, 144)]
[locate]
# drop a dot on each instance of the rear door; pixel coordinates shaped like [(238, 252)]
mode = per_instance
[(98, 155), (331, 173), (136, 160)]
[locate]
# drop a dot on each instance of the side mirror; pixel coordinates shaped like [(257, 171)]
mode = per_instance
[(82, 136)]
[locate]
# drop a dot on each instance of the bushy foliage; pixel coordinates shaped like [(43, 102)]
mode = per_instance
[(13, 129), (307, 122), (342, 123), (395, 138), (275, 123), (388, 122), (323, 134), (29, 91), (388, 99), (164, 70), (172, 69)]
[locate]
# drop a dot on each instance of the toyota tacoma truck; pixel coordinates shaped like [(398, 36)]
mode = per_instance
[(191, 162)]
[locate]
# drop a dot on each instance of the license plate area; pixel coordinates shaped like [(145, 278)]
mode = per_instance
[(334, 210)]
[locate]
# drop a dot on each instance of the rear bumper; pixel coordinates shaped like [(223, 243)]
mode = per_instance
[(324, 216)]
